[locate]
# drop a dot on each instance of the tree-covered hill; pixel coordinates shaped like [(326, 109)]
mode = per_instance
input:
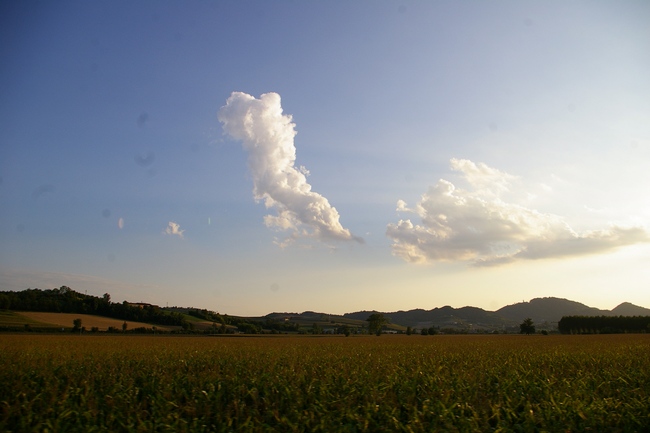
[(460, 319), (627, 309), (66, 300), (549, 310), (545, 313)]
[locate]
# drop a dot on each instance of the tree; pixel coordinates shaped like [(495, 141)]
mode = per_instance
[(527, 327), (124, 326), (76, 324), (375, 322), (5, 302), (409, 331)]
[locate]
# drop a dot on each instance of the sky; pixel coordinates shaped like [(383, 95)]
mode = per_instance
[(251, 157)]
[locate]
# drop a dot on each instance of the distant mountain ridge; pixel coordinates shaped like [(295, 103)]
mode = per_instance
[(545, 312)]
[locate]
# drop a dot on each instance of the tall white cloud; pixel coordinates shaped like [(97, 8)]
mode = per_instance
[(478, 226), (267, 135)]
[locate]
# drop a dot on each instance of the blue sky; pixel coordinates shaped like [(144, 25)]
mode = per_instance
[(445, 153)]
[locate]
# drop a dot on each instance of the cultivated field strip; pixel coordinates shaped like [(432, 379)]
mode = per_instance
[(87, 320), (327, 384)]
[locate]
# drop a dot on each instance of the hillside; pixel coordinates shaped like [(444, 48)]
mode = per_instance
[(465, 318), (627, 309), (326, 322), (545, 313), (88, 321), (549, 310), (66, 300)]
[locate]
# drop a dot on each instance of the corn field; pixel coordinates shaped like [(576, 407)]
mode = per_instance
[(400, 383)]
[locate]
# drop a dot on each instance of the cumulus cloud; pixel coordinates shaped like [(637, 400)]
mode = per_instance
[(174, 229), (267, 135), (476, 225)]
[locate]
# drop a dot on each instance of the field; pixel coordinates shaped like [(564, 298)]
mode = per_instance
[(58, 320), (12, 319), (325, 384)]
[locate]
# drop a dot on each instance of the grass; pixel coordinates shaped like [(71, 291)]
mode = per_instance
[(355, 384)]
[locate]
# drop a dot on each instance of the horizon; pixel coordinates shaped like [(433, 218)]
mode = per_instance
[(355, 311), (248, 156)]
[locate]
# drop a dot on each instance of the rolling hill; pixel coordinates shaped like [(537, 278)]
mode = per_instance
[(627, 309), (57, 321), (545, 312), (56, 307), (445, 317), (548, 310)]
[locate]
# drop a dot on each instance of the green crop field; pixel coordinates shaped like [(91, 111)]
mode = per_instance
[(404, 383)]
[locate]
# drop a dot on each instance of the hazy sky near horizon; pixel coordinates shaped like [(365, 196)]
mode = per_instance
[(250, 156)]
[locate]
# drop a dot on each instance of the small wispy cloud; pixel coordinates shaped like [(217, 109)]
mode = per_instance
[(476, 225), (267, 136), (174, 229)]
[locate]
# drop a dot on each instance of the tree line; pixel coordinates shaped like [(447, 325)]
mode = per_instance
[(603, 324)]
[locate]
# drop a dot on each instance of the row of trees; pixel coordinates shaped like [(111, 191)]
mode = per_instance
[(603, 324), (567, 325), (77, 327)]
